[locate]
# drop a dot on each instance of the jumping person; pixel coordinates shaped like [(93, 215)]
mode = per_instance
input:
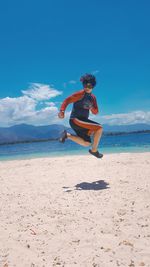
[(83, 102)]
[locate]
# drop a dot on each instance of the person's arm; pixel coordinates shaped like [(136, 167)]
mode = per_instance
[(94, 109), (71, 99)]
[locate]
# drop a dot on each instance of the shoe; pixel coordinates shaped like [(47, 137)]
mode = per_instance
[(96, 154), (63, 137)]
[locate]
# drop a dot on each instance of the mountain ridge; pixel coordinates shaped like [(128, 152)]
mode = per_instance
[(30, 133)]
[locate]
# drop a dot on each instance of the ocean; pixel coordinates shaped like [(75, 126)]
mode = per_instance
[(139, 142)]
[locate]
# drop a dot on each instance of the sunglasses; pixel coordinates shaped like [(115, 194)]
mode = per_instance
[(89, 86)]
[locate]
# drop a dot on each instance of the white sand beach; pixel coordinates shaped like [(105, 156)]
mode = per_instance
[(75, 211)]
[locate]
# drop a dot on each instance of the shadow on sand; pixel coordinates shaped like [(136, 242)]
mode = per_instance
[(97, 185)]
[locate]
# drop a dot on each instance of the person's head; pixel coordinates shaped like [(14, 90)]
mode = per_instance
[(88, 81)]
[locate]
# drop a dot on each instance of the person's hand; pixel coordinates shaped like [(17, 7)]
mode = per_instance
[(61, 115)]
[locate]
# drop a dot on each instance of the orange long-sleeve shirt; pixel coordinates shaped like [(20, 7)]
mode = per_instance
[(83, 102)]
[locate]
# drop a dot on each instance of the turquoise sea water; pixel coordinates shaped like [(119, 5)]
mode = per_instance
[(109, 144)]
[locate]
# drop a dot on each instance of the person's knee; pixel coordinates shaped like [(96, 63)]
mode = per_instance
[(86, 143), (100, 129)]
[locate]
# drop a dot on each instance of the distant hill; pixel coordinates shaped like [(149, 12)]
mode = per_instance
[(126, 128), (30, 133), (24, 132)]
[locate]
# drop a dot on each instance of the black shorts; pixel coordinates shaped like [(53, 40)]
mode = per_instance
[(84, 128)]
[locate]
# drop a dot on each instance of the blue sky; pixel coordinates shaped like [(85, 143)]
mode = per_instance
[(45, 46)]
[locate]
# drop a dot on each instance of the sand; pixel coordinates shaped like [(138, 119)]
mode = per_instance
[(75, 211)]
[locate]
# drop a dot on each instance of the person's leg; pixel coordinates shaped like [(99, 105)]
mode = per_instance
[(78, 140), (90, 127), (96, 139), (84, 128)]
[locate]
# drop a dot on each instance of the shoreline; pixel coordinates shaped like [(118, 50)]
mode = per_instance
[(75, 157), (105, 151)]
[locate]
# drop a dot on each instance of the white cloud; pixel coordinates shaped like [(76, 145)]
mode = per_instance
[(65, 84), (24, 109), (72, 82), (11, 109), (34, 108), (95, 72), (40, 92), (126, 118), (44, 116), (50, 104)]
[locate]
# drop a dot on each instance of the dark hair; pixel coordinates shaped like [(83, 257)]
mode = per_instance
[(88, 78)]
